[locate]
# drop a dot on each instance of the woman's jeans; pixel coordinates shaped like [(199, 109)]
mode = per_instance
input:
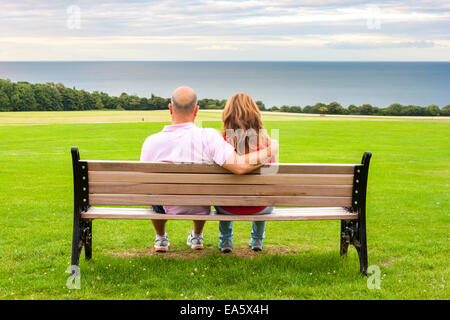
[(226, 227)]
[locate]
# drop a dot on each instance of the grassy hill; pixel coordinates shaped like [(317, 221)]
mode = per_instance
[(407, 215)]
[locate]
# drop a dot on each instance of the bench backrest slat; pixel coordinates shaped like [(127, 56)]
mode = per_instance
[(162, 167), (195, 178), (199, 200), (224, 189)]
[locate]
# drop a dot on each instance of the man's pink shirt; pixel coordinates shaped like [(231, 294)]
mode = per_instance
[(186, 143)]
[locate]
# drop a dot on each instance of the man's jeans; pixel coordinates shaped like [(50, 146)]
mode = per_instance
[(226, 227)]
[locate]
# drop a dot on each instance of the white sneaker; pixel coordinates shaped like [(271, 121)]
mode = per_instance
[(195, 241), (162, 243)]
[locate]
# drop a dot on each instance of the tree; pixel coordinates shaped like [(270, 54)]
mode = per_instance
[(323, 110), (394, 109), (42, 97), (412, 110), (353, 109), (261, 105), (6, 86), (22, 97), (89, 100), (98, 103), (114, 103), (317, 106), (158, 103), (334, 108), (133, 102), (376, 111), (284, 108), (5, 104), (445, 111), (307, 109), (345, 111), (432, 110), (68, 99), (124, 101), (143, 104), (366, 109), (47, 97), (295, 109), (55, 97), (28, 97), (106, 100)]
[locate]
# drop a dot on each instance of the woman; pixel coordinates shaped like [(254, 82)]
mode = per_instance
[(243, 129)]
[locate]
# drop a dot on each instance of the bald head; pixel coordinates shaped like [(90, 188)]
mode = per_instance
[(184, 100)]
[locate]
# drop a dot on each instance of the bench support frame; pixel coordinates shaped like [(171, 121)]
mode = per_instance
[(82, 228), (353, 232)]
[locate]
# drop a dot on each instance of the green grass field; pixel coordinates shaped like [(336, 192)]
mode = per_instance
[(407, 216)]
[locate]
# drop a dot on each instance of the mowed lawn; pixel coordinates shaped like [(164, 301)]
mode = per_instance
[(407, 219)]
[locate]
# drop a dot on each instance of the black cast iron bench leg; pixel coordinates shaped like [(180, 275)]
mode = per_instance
[(82, 228), (354, 231)]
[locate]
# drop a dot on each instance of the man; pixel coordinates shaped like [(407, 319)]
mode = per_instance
[(184, 142)]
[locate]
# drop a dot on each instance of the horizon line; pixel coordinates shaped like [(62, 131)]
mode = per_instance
[(346, 61)]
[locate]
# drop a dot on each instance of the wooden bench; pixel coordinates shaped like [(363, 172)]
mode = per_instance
[(323, 191)]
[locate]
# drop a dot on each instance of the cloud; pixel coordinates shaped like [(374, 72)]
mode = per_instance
[(377, 45), (206, 28), (308, 15), (218, 47)]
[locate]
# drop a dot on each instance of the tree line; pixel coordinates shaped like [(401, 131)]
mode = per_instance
[(25, 96), (395, 109)]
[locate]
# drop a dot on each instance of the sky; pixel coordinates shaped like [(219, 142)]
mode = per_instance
[(249, 30)]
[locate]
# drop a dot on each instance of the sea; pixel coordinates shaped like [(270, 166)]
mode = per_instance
[(274, 83)]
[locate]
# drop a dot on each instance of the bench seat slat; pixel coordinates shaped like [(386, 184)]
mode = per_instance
[(282, 214), (201, 200), (225, 189), (321, 179), (141, 166)]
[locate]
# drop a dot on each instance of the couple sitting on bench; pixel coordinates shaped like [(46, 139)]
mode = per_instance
[(242, 147)]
